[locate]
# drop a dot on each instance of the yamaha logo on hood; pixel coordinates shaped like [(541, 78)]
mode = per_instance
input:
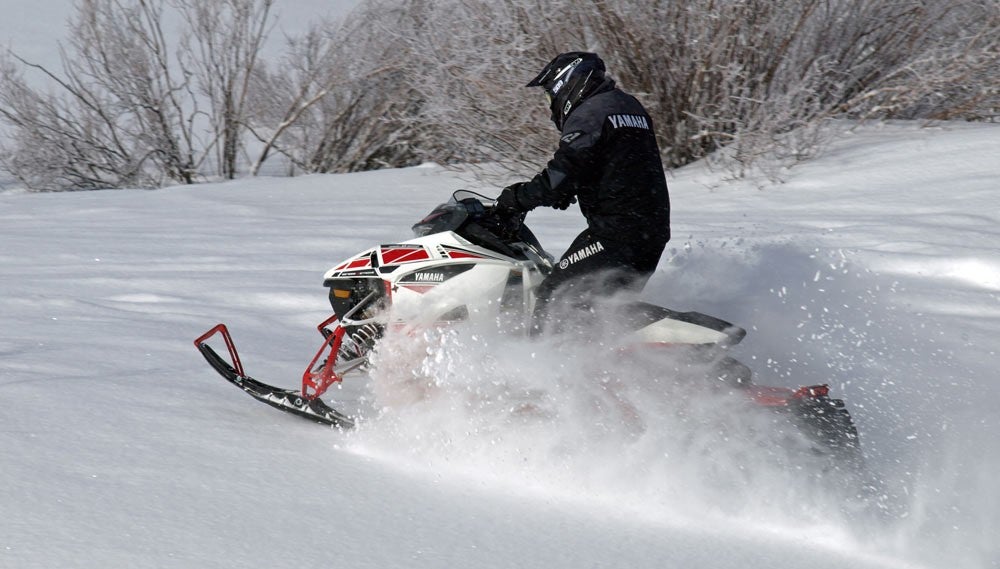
[(434, 275)]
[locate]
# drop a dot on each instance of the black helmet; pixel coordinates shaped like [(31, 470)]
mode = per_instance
[(567, 79)]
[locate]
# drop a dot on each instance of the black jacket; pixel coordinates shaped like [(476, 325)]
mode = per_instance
[(609, 160)]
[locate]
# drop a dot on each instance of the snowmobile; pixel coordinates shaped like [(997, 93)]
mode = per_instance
[(468, 262)]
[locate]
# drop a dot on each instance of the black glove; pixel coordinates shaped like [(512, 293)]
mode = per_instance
[(506, 202), (565, 203)]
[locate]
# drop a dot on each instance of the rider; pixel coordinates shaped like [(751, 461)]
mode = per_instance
[(609, 160)]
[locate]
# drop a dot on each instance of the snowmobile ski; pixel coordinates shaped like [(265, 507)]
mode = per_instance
[(288, 400)]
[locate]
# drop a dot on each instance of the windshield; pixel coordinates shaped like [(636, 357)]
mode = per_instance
[(451, 215), (474, 217)]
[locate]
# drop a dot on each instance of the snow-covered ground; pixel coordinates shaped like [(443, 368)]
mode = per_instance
[(874, 268)]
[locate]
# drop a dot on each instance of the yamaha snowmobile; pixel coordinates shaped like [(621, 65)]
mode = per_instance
[(467, 263)]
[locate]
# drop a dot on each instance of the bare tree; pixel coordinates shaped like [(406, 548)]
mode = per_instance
[(129, 108), (69, 140), (122, 114), (122, 50), (748, 84), (745, 82), (953, 76), (342, 100), (283, 95), (223, 51)]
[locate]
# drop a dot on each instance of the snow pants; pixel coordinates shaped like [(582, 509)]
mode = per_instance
[(591, 269)]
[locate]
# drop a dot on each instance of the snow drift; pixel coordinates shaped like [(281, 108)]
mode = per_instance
[(873, 268)]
